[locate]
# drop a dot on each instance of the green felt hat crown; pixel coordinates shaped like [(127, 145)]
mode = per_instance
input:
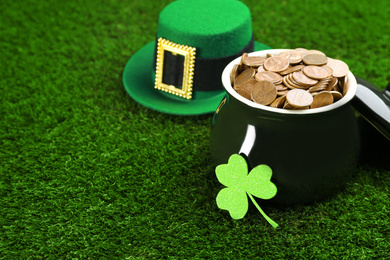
[(180, 72), (217, 28)]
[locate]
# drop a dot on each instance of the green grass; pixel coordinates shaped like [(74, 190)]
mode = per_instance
[(87, 173)]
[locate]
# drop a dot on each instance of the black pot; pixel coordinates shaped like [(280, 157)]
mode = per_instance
[(312, 152)]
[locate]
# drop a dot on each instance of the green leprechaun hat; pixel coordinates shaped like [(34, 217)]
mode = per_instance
[(180, 72)]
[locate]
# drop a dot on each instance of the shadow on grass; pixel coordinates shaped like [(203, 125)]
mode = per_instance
[(375, 148)]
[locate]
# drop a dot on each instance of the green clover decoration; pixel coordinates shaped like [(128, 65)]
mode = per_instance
[(239, 185)]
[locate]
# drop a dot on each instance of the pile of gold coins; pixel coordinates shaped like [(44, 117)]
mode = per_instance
[(292, 79)]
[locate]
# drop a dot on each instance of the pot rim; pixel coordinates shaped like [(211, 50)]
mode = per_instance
[(350, 80)]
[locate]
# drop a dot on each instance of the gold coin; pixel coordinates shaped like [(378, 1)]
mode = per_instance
[(290, 80), (245, 89), (341, 85), (287, 83), (321, 85), (260, 69), (340, 68), (281, 87), (332, 83), (316, 88), (293, 57), (336, 95), (341, 82), (345, 86), (302, 79), (287, 105), (244, 76), (241, 68), (316, 52), (322, 99), (263, 92), (291, 107), (276, 63), (243, 57), (292, 69), (303, 51), (315, 72), (315, 59), (283, 92), (279, 102), (324, 81), (234, 74), (269, 76), (293, 83), (328, 69), (299, 98), (337, 88), (252, 61)]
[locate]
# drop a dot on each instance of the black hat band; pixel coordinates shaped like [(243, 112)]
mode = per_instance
[(179, 71)]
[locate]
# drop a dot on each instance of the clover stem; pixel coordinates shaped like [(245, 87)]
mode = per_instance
[(262, 212)]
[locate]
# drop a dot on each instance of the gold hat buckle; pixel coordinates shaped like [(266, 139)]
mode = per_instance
[(188, 53)]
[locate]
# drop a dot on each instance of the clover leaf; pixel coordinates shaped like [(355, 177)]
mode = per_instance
[(240, 185)]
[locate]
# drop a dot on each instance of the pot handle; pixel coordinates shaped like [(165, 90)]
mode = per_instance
[(387, 91), (373, 105)]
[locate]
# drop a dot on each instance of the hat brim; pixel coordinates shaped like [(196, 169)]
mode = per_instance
[(138, 80)]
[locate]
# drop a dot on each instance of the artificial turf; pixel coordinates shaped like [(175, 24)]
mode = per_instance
[(87, 173)]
